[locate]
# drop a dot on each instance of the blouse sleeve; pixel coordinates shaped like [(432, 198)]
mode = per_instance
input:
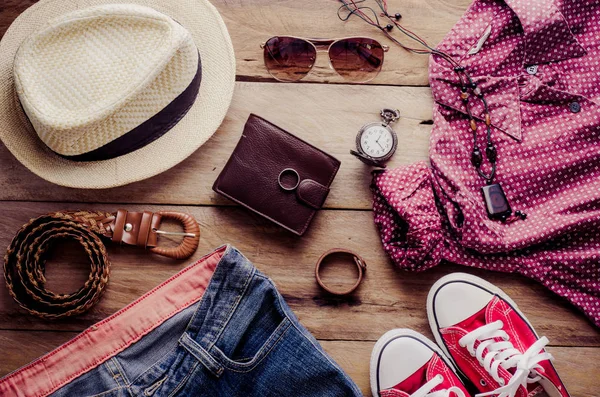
[(407, 217)]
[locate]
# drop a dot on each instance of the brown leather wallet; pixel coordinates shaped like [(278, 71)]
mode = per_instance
[(277, 175), (358, 260)]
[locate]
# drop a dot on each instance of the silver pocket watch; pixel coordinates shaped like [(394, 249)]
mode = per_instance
[(376, 142)]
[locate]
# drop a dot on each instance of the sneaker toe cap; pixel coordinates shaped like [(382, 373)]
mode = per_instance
[(400, 359), (456, 300)]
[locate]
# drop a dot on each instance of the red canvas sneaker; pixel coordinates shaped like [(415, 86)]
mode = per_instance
[(404, 363), (489, 340)]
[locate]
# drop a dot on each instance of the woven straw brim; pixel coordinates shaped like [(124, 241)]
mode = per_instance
[(200, 123)]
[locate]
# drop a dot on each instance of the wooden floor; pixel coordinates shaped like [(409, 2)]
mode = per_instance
[(326, 112)]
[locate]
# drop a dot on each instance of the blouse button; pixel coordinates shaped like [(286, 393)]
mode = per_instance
[(533, 69), (575, 107)]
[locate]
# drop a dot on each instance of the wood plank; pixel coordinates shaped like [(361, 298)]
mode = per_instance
[(387, 299), (576, 365), (251, 22), (325, 115)]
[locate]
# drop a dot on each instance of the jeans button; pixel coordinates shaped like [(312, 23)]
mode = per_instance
[(533, 69), (575, 107)]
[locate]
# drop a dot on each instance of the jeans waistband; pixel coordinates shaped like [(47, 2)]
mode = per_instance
[(219, 279)]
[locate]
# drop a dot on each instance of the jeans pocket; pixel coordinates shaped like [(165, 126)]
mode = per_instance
[(244, 333), (249, 363), (216, 361)]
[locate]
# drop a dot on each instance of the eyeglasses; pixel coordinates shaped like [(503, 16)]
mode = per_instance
[(356, 59)]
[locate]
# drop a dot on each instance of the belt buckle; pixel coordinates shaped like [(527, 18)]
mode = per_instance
[(190, 234)]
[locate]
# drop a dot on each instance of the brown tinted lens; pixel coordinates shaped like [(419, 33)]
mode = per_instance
[(288, 58), (356, 59)]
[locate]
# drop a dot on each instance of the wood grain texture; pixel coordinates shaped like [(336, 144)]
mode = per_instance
[(328, 116), (386, 299), (573, 364), (253, 22)]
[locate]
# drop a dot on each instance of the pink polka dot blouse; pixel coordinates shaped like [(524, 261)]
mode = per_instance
[(538, 65)]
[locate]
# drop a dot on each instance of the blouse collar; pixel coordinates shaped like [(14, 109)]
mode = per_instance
[(547, 37)]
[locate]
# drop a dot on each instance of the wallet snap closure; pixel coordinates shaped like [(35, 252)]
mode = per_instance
[(312, 193)]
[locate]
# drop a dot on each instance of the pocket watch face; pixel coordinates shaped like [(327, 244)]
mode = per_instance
[(376, 141)]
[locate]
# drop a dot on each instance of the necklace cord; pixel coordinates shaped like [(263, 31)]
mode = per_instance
[(467, 85)]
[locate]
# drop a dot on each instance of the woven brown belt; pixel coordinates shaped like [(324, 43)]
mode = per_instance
[(24, 263)]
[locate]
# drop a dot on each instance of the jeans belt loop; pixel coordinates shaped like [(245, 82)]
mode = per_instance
[(201, 355)]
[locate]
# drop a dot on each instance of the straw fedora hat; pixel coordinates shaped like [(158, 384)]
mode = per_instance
[(102, 93)]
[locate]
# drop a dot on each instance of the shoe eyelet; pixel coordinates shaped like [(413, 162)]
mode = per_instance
[(439, 377), (482, 382), (501, 382), (472, 354)]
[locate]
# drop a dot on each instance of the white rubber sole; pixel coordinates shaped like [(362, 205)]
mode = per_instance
[(473, 280), (399, 333)]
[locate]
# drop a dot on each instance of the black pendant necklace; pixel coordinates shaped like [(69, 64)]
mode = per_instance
[(496, 203)]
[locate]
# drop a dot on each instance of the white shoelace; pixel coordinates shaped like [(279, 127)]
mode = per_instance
[(503, 354), (425, 390)]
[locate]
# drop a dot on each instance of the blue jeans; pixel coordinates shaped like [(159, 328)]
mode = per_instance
[(237, 338)]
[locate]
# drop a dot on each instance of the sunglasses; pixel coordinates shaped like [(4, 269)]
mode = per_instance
[(356, 59)]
